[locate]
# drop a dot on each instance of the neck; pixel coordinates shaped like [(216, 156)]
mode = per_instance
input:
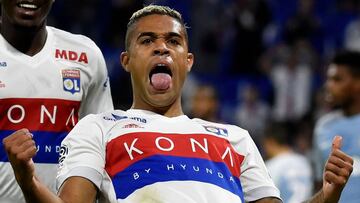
[(172, 110), (352, 109), (279, 150), (28, 40)]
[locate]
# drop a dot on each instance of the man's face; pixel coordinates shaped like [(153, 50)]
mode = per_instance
[(26, 13), (158, 61), (340, 85)]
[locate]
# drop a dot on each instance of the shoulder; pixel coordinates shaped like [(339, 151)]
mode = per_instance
[(107, 118), (328, 119), (228, 127), (71, 37), (74, 42), (233, 133)]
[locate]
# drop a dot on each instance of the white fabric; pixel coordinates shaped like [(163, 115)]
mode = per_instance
[(47, 93), (292, 174), (145, 157)]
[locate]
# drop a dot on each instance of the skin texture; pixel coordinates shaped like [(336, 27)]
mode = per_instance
[(337, 171), (343, 89), (25, 29), (156, 39)]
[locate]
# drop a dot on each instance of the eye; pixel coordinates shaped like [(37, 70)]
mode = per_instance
[(174, 41), (146, 41)]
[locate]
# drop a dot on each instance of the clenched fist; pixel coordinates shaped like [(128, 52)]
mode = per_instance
[(20, 148)]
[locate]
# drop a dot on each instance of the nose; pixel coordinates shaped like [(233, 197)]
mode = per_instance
[(161, 48)]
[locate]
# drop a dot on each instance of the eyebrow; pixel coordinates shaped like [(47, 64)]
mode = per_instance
[(154, 35)]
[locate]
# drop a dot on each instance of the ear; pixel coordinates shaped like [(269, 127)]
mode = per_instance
[(124, 59), (189, 61)]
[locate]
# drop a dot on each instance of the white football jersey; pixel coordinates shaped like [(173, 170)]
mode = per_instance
[(139, 156), (48, 93)]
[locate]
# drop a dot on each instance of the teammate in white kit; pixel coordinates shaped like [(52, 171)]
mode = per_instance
[(153, 152), (49, 79)]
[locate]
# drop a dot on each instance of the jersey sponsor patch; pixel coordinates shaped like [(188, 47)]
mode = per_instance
[(216, 130), (3, 64), (142, 158), (132, 125), (69, 55), (71, 80), (117, 118), (2, 84), (64, 151)]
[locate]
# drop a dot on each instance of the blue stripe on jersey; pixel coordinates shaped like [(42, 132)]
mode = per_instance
[(48, 144), (172, 168)]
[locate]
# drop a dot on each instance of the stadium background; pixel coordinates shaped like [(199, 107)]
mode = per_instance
[(237, 44)]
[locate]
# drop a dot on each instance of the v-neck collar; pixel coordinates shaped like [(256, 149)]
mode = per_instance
[(29, 60)]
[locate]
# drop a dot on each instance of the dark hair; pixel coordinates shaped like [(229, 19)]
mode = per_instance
[(277, 131), (151, 10), (350, 59)]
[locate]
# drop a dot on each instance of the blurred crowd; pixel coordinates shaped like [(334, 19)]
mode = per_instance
[(260, 61), (259, 64)]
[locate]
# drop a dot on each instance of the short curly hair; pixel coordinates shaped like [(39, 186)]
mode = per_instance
[(151, 10), (350, 59)]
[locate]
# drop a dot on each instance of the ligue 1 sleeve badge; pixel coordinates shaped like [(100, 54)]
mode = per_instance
[(71, 80)]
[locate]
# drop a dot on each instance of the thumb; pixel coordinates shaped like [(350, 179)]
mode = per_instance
[(337, 142)]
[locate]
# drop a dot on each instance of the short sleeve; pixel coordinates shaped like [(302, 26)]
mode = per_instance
[(255, 179), (82, 152)]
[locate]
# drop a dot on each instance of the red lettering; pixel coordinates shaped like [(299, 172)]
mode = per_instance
[(72, 56), (55, 115), (61, 54), (126, 149), (83, 58)]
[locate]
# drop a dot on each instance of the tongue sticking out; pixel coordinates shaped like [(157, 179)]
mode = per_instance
[(161, 81)]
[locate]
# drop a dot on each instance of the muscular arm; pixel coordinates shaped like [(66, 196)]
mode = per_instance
[(78, 190), (74, 190)]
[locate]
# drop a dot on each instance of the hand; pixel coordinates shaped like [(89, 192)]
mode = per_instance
[(337, 171), (20, 149)]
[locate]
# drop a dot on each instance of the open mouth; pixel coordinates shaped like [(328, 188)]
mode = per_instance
[(160, 68), (27, 5), (160, 77)]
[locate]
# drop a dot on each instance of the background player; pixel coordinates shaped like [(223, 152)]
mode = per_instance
[(290, 171), (343, 92), (153, 152), (49, 79)]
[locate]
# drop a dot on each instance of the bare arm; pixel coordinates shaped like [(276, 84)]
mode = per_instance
[(20, 148), (268, 200), (338, 169)]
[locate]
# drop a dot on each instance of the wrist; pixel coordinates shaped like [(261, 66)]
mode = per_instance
[(29, 185)]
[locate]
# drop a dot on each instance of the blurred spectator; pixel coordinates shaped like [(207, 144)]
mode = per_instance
[(290, 171), (205, 103), (250, 17), (207, 38), (252, 113), (303, 25), (292, 80), (352, 35)]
